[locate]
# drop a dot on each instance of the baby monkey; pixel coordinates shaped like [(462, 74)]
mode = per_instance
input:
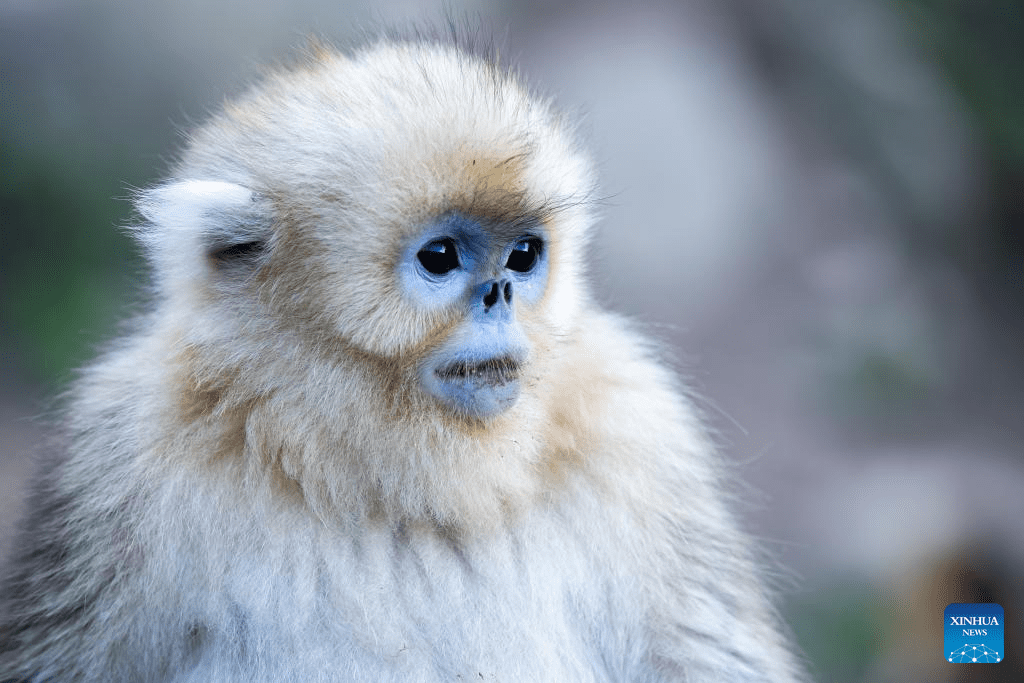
[(374, 427)]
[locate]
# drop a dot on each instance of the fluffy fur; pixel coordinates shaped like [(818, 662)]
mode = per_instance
[(255, 488)]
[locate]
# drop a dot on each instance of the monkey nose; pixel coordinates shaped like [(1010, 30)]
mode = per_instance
[(496, 293)]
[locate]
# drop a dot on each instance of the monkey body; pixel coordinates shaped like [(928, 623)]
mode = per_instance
[(374, 428)]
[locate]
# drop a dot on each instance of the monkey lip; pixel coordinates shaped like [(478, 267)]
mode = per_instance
[(473, 387), (493, 371)]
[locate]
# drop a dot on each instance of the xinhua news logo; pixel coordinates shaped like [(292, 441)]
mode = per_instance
[(974, 633)]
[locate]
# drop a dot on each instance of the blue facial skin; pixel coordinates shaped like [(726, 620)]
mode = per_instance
[(456, 262)]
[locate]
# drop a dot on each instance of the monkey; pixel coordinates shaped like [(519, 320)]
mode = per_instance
[(374, 426)]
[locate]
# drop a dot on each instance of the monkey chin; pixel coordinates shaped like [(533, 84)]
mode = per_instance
[(474, 388)]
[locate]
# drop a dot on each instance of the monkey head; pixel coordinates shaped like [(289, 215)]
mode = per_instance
[(408, 202), (384, 248)]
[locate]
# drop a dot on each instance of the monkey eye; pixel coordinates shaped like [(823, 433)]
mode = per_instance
[(439, 257), (524, 255)]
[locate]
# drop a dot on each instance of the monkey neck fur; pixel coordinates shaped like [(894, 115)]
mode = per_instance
[(352, 440)]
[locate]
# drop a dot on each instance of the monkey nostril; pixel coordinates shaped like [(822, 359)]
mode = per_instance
[(508, 292), (491, 297)]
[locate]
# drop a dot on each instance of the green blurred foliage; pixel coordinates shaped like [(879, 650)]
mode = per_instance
[(841, 636), (979, 44), (883, 387), (65, 265), (83, 86)]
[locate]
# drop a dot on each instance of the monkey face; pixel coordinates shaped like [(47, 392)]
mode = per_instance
[(483, 275), (432, 253)]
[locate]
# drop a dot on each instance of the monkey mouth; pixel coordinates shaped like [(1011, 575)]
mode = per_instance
[(493, 371), (475, 388)]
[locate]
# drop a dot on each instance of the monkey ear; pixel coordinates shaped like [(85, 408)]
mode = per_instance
[(189, 222)]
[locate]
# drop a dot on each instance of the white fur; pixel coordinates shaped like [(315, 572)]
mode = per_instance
[(181, 215)]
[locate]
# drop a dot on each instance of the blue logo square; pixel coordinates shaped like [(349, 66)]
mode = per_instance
[(973, 633)]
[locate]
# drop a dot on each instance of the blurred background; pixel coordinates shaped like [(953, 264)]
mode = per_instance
[(819, 205)]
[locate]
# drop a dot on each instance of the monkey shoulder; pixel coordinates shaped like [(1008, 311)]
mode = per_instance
[(625, 392)]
